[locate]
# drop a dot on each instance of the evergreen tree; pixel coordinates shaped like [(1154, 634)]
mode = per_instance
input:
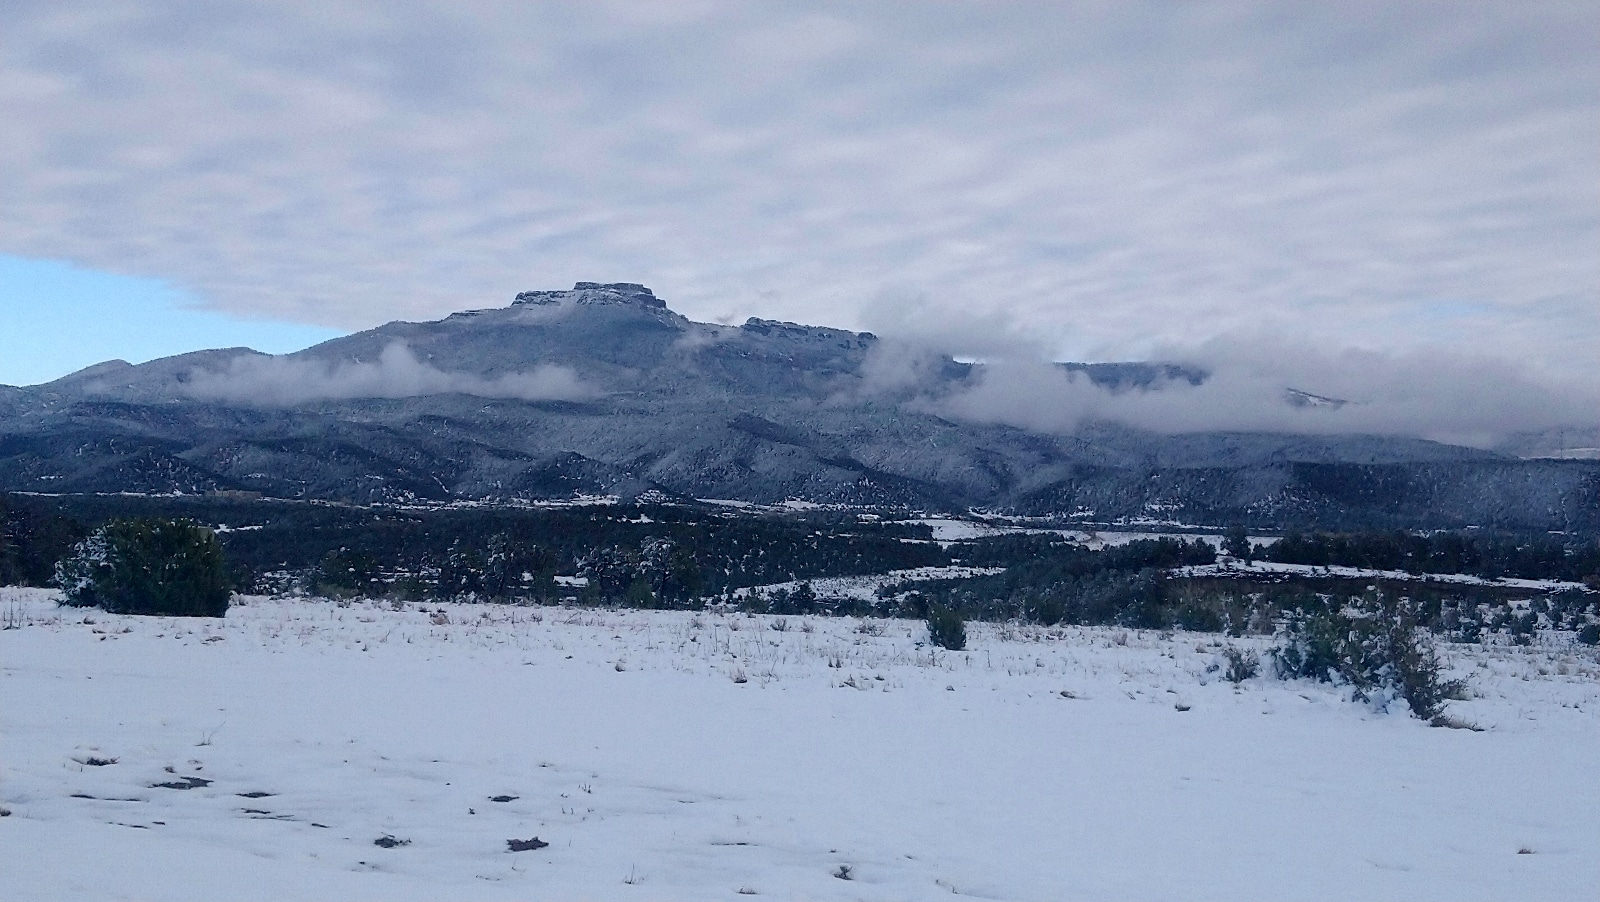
[(1237, 543), (152, 566)]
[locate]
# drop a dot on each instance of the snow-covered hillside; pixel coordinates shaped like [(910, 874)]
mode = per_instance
[(667, 755)]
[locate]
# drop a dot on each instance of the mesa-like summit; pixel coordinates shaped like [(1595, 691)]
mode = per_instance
[(604, 390)]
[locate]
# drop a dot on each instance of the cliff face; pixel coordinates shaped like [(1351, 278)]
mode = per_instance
[(604, 389)]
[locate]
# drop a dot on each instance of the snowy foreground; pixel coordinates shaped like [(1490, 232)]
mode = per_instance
[(704, 756)]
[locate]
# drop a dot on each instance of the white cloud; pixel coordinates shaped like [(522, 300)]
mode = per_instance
[(1103, 179), (1427, 393), (397, 373)]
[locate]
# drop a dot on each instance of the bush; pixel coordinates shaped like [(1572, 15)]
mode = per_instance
[(803, 600), (1242, 665), (946, 629), (1589, 634), (344, 573), (153, 566), (1374, 645), (1236, 542)]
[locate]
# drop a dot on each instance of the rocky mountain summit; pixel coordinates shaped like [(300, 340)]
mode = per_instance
[(604, 389)]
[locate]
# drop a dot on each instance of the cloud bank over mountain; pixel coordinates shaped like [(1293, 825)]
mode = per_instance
[(1438, 397), (268, 381), (1234, 383)]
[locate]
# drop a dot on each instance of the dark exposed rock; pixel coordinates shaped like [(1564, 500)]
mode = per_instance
[(1120, 376), (183, 783)]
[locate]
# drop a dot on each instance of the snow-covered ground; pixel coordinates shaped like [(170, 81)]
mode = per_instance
[(953, 529), (717, 756), (1233, 567), (864, 588)]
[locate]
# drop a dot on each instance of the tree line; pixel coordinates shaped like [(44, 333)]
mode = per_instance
[(672, 553), (1490, 557)]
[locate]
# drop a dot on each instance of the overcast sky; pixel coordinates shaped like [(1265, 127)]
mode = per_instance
[(1096, 181)]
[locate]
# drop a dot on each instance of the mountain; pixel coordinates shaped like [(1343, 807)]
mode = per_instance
[(604, 389), (1569, 443)]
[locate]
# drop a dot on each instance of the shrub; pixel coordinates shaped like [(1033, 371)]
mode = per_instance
[(1374, 645), (1417, 676), (345, 573), (1589, 634), (1044, 608), (1242, 665), (946, 629), (639, 594), (1195, 614), (151, 566), (1236, 542), (802, 600)]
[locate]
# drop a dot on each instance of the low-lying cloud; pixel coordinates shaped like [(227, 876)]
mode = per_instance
[(397, 373), (1426, 393)]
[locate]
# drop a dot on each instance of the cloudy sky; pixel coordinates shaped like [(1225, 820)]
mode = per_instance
[(1089, 181)]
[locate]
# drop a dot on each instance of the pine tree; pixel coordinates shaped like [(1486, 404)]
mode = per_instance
[(150, 566)]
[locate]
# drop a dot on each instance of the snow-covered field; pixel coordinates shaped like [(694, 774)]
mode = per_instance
[(952, 529), (717, 756), (1233, 568), (864, 588)]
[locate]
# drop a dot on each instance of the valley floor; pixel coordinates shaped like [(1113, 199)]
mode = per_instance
[(718, 756)]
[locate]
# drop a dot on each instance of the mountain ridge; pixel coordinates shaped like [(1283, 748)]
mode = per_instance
[(604, 389)]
